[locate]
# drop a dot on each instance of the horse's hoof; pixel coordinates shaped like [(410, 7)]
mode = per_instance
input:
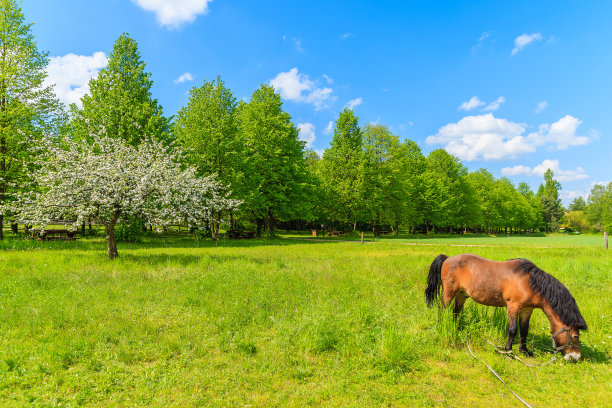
[(529, 353)]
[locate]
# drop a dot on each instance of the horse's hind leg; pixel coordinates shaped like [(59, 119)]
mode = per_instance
[(449, 293), (524, 317), (459, 301)]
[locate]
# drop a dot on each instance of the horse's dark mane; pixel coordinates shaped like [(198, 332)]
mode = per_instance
[(554, 292)]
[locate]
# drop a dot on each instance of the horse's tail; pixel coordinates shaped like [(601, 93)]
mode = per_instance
[(434, 280)]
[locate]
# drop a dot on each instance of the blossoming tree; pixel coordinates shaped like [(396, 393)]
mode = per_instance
[(109, 179)]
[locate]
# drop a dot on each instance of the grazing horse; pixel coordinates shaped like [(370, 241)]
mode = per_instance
[(516, 284)]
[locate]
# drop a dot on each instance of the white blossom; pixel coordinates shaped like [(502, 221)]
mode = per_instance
[(109, 179)]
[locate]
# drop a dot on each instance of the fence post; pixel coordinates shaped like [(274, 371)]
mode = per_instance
[(362, 237), (606, 239)]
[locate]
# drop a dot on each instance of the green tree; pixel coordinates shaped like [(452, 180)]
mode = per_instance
[(410, 170), (548, 193), (382, 190), (599, 208), (489, 200), (28, 108), (577, 220), (277, 180), (578, 204), (208, 127), (317, 194), (535, 213), (119, 103), (456, 198), (341, 170)]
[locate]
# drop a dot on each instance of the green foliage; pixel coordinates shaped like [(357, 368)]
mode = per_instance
[(277, 184), (341, 170), (578, 204), (451, 198), (577, 221), (28, 109), (119, 103), (132, 229), (548, 194), (599, 209), (382, 192), (208, 126)]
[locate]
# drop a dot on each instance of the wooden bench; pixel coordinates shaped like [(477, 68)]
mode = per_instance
[(54, 234), (336, 233)]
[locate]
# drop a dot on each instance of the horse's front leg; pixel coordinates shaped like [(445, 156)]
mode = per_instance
[(513, 312), (524, 317)]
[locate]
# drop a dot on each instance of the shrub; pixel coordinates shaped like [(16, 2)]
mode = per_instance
[(131, 229)]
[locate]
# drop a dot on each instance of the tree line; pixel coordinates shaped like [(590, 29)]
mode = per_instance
[(244, 158)]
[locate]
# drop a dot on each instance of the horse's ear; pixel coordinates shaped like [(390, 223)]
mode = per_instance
[(581, 325)]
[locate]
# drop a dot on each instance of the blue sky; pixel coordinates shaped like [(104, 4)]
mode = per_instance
[(515, 87)]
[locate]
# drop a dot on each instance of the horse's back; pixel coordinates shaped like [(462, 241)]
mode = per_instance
[(489, 282)]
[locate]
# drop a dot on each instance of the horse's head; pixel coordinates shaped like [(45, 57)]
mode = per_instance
[(567, 341)]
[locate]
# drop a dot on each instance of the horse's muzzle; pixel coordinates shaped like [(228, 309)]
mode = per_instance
[(572, 356)]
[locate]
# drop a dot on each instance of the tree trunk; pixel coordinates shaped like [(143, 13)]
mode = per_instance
[(259, 225), (270, 224), (111, 242), (1, 227), (15, 228)]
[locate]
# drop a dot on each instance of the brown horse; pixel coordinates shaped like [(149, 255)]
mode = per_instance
[(516, 284)]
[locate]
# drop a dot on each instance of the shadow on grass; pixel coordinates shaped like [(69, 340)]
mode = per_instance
[(184, 260), (462, 236), (16, 243), (542, 342)]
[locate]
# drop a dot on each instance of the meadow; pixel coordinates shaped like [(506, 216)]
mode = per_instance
[(288, 322)]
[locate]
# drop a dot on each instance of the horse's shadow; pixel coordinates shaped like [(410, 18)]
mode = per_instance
[(543, 342), (536, 342)]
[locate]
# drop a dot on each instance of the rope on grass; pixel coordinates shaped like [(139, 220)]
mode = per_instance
[(496, 375), (510, 354)]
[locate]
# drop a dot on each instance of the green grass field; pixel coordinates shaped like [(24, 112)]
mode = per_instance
[(283, 322)]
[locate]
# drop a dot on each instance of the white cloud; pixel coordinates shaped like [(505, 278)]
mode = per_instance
[(307, 133), (600, 183), (473, 103), (560, 134), (524, 40), (562, 175), (482, 137), (297, 87), (184, 78), (570, 195), (353, 103), (485, 137), (174, 13), (346, 36), (482, 40), (329, 128), (493, 106), (328, 79), (298, 45), (541, 106), (71, 74)]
